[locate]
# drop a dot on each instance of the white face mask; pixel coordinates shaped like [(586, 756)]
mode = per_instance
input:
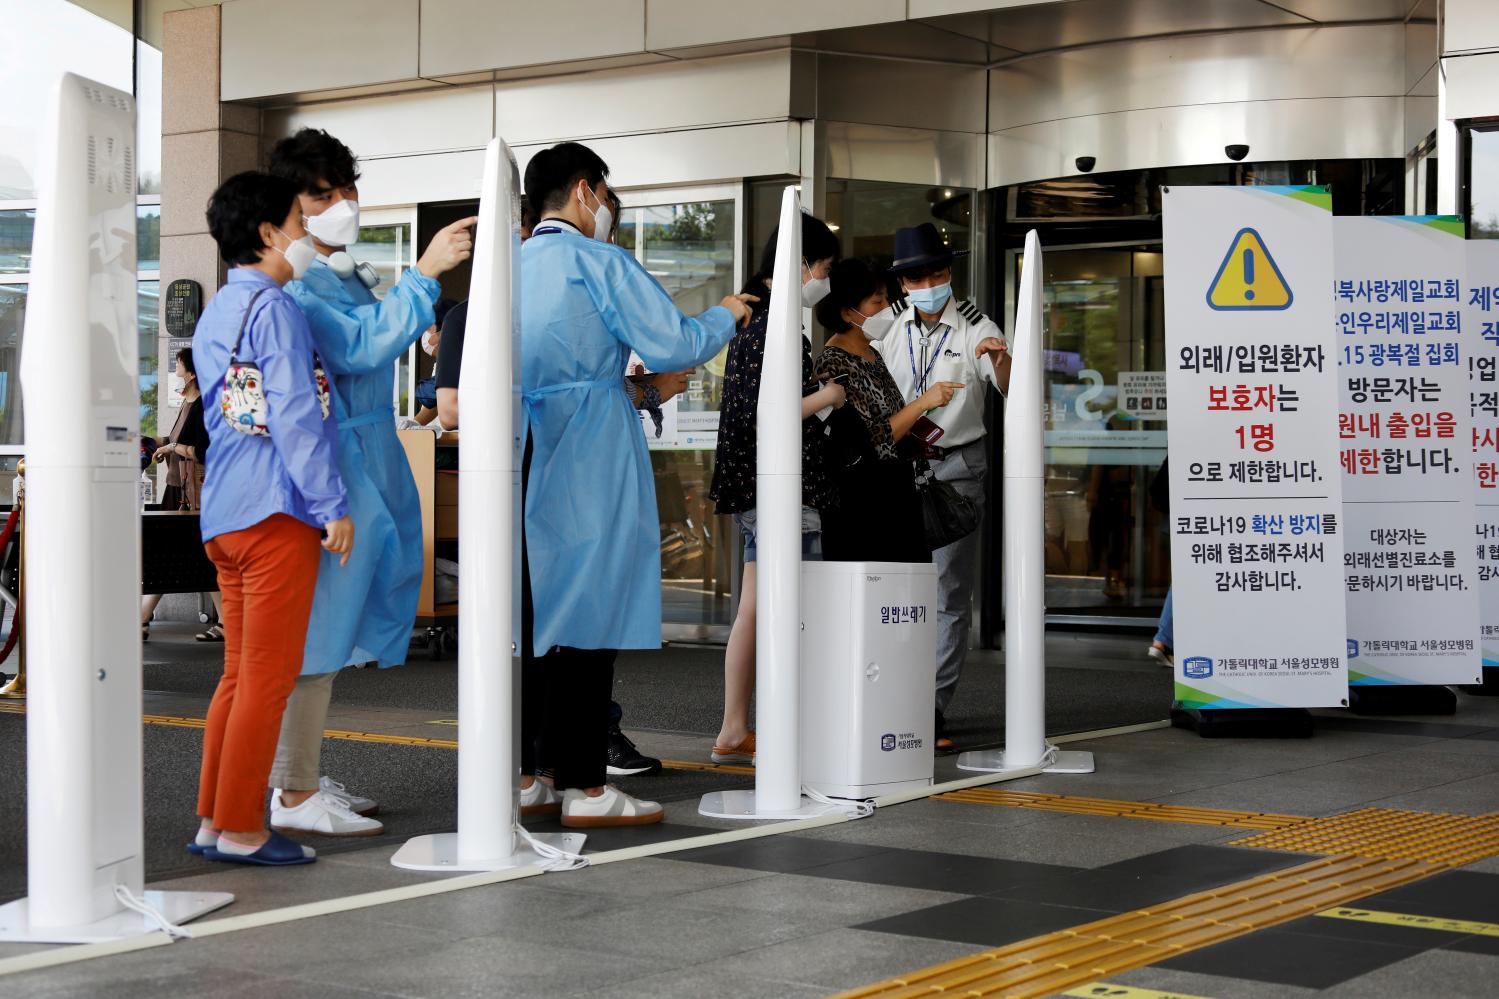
[(603, 218), (179, 385), (815, 290), (338, 226), (429, 343), (876, 327), (300, 254)]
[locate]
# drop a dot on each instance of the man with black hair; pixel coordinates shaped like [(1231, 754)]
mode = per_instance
[(591, 550), (366, 612), (939, 338)]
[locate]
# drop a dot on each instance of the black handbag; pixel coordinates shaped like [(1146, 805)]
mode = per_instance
[(946, 514)]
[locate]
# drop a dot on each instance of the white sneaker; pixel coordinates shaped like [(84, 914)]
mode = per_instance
[(357, 805), (321, 815), (612, 808), (540, 798), (1161, 656)]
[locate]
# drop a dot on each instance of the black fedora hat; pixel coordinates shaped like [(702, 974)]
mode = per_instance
[(921, 246)]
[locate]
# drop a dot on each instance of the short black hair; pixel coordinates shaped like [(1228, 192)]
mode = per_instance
[(441, 308), (818, 243), (237, 208), (312, 158), (185, 359), (528, 214), (923, 272), (849, 283), (554, 171)]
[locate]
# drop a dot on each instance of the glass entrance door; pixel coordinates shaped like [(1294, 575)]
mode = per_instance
[(689, 239), (1104, 338)]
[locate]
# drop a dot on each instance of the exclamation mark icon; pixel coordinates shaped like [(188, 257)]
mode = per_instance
[(1248, 274)]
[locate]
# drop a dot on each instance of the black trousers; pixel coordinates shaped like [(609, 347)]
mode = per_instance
[(565, 705)]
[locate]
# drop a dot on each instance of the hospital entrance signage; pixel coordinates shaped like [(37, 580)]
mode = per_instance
[(1256, 491)]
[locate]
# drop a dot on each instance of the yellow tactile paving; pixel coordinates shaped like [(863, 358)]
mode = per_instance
[(1123, 809), (1437, 837), (1073, 957)]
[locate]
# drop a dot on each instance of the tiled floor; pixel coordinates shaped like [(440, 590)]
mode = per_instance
[(822, 910)]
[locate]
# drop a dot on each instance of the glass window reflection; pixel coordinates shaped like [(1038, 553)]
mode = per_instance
[(12, 319)]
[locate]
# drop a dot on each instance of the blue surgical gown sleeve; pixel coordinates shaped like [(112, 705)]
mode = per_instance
[(303, 439), (369, 337), (640, 313)]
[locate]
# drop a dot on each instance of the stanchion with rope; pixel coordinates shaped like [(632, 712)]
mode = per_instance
[(15, 531)]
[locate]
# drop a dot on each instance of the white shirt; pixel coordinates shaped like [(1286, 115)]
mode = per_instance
[(918, 360)]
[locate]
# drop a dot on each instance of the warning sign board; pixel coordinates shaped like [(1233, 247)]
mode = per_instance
[(1248, 279)]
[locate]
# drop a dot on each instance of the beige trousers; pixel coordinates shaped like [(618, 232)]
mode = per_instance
[(299, 751)]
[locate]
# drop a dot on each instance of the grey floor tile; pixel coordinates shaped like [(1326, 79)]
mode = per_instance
[(815, 900), (939, 871), (649, 877), (841, 959), (302, 948), (513, 908), (257, 889), (1444, 973), (695, 983), (1469, 796), (780, 854), (483, 967)]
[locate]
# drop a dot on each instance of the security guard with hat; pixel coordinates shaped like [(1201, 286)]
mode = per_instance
[(939, 338)]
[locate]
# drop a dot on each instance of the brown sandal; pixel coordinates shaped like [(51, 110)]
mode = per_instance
[(213, 634)]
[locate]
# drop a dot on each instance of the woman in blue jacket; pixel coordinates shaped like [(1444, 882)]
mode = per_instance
[(365, 612)]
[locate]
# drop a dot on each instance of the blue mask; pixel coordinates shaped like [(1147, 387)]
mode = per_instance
[(931, 300)]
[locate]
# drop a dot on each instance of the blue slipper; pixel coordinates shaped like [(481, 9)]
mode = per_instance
[(196, 850), (278, 851)]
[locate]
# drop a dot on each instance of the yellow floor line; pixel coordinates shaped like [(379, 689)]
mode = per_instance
[(1123, 809), (1414, 922), (1057, 962), (179, 721)]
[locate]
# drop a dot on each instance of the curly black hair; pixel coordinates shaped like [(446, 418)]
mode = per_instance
[(313, 159), (237, 208)]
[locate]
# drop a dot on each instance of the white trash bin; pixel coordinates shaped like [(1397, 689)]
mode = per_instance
[(868, 677)]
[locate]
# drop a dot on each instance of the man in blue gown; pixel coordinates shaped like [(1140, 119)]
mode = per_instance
[(364, 612), (592, 535)]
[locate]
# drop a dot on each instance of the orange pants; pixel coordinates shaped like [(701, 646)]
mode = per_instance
[(267, 575)]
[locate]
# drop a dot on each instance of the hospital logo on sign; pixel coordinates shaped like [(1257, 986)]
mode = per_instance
[(887, 742), (1249, 280), (1197, 667)]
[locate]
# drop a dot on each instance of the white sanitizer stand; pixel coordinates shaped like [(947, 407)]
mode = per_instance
[(84, 782), (1024, 552), (489, 515), (868, 659)]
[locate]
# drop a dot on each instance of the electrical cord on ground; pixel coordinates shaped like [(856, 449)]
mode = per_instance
[(553, 859), (853, 808), (132, 902)]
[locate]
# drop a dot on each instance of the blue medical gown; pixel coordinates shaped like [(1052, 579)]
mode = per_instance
[(364, 611), (593, 538)]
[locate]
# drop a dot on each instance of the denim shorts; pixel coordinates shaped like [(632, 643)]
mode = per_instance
[(811, 534)]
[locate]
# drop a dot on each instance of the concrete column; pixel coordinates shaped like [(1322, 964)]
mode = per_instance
[(203, 143)]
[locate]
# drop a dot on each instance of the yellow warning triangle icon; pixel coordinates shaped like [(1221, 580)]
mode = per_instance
[(1248, 279)]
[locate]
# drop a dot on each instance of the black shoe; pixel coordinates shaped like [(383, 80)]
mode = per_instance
[(625, 760), (942, 743)]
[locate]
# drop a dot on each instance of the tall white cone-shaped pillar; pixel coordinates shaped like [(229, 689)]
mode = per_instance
[(1024, 548), (778, 540), (83, 556), (489, 515)]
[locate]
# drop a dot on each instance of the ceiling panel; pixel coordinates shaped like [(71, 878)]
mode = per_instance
[(1349, 10), (1033, 29), (914, 39)]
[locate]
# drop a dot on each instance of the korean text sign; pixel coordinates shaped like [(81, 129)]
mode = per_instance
[(1256, 491), (1481, 338), (1404, 434)]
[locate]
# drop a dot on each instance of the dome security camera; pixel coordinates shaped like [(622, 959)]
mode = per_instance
[(1085, 163), (1236, 151)]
